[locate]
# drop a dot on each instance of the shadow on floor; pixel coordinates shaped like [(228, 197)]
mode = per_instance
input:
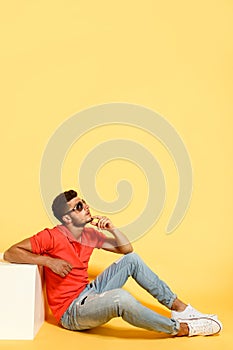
[(123, 333)]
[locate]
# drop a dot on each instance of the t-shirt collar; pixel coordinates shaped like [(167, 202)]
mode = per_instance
[(67, 233)]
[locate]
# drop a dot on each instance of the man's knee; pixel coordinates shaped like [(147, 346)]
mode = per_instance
[(132, 257), (124, 299)]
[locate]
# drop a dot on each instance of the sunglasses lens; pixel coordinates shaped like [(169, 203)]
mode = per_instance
[(79, 206)]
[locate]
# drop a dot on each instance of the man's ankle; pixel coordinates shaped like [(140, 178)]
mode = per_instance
[(178, 305), (183, 331)]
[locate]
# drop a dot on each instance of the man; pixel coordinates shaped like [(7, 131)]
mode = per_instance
[(64, 252)]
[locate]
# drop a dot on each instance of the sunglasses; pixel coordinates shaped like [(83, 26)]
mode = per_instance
[(78, 207)]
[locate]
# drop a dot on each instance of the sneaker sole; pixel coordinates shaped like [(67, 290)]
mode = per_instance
[(206, 318)]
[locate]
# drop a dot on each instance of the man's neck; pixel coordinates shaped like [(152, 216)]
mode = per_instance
[(75, 231)]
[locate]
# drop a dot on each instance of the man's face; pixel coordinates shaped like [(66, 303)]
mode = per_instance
[(82, 217)]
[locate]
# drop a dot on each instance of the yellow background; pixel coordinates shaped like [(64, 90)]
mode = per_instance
[(175, 57)]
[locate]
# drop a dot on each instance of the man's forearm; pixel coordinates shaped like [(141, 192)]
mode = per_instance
[(21, 253), (122, 241), (21, 256)]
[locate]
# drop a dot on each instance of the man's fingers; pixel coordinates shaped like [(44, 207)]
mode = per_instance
[(95, 220), (65, 269), (69, 266), (102, 222), (65, 272)]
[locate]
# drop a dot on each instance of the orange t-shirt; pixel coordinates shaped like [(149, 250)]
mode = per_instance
[(59, 243)]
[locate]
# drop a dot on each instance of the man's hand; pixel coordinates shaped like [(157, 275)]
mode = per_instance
[(119, 243), (102, 223), (59, 266)]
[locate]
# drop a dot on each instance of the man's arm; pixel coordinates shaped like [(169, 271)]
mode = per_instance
[(21, 253), (119, 243)]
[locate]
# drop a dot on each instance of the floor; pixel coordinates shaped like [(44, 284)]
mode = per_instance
[(119, 335)]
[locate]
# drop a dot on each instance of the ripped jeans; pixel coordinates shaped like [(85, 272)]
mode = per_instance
[(103, 299)]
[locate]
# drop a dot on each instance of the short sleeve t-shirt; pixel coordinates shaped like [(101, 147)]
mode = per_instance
[(59, 243)]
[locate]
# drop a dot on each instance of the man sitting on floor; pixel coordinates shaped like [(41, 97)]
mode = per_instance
[(64, 252)]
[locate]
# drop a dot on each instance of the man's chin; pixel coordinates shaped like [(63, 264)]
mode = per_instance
[(89, 220)]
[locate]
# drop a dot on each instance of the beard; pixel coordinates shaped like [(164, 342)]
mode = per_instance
[(89, 220)]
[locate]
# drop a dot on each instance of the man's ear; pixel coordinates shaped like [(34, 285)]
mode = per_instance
[(66, 219)]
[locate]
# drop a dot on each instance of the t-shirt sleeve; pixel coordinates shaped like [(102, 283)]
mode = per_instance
[(93, 238), (101, 239), (42, 242)]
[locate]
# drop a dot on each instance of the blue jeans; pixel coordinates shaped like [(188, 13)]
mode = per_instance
[(104, 299)]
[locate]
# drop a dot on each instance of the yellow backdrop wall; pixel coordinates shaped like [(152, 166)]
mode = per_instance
[(174, 57)]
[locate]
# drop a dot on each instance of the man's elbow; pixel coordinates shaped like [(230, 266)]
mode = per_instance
[(128, 249), (9, 255), (6, 256)]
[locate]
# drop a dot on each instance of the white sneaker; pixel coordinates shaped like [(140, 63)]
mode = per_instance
[(203, 326), (189, 313)]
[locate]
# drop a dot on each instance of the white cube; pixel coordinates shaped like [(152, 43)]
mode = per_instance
[(21, 301)]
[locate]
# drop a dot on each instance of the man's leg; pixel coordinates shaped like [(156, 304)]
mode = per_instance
[(97, 309), (131, 264), (106, 300)]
